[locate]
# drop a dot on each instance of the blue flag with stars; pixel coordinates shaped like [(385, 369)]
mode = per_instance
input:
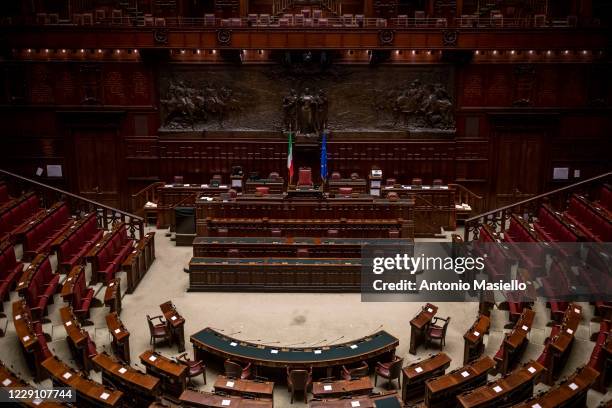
[(324, 156)]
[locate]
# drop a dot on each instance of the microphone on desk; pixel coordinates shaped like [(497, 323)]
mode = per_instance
[(231, 334), (335, 340), (377, 329), (295, 344), (318, 342), (214, 328)]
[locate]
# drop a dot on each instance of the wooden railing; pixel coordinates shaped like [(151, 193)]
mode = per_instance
[(463, 195), (48, 195), (528, 208), (147, 194)]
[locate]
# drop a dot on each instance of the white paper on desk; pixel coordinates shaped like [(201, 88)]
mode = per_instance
[(54, 170), (425, 187), (576, 310), (37, 401), (497, 388), (68, 324), (476, 333), (418, 369), (117, 331), (39, 171), (573, 386), (17, 317), (355, 404), (444, 187), (274, 351), (536, 405), (110, 285), (525, 328), (569, 331), (233, 344), (429, 309), (104, 395), (465, 374), (229, 384), (226, 403), (6, 382), (354, 346), (327, 387), (66, 375), (173, 318), (152, 358), (123, 370), (317, 351), (26, 338), (531, 370)]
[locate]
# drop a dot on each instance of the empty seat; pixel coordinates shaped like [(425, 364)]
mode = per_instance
[(305, 177)]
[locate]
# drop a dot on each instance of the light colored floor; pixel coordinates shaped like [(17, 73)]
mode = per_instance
[(300, 319)]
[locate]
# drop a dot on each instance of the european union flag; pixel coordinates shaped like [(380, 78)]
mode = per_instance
[(324, 156)]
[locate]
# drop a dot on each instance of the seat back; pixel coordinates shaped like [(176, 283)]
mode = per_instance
[(299, 379), (232, 369), (305, 177), (395, 369)]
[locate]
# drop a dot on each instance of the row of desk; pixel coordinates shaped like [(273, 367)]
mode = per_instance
[(139, 260), (275, 274), (288, 247)]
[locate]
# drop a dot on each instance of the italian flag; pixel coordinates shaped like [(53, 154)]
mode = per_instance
[(290, 157)]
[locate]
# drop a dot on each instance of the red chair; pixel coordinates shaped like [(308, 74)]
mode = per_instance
[(336, 176), (305, 177), (299, 381), (235, 370), (390, 371), (158, 331), (195, 368), (262, 191), (437, 332), (355, 372), (345, 191)]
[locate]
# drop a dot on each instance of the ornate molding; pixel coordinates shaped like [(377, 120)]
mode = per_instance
[(160, 36), (224, 36), (450, 38), (386, 37)]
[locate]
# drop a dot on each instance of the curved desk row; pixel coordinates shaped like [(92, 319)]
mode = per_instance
[(211, 346)]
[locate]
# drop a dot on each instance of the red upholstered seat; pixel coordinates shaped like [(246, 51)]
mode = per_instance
[(305, 177), (345, 191), (605, 198), (4, 196), (500, 353), (262, 190)]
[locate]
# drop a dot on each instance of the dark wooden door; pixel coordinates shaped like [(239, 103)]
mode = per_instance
[(96, 170), (520, 163)]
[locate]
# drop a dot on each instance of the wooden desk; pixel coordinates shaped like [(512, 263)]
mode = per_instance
[(89, 393), (26, 332), (473, 339), (340, 388), (515, 387), (313, 216), (272, 361), (515, 343), (139, 261), (419, 324), (415, 375), (275, 274), (198, 399), (139, 389), (236, 386), (276, 186), (112, 296), (171, 195), (441, 391), (173, 375), (68, 285), (571, 393), (8, 379), (560, 345), (176, 324), (121, 337), (77, 339), (385, 400)]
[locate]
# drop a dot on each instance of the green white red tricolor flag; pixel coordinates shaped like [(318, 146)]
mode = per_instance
[(290, 157)]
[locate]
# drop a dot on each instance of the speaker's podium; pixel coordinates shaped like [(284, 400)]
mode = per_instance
[(305, 187)]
